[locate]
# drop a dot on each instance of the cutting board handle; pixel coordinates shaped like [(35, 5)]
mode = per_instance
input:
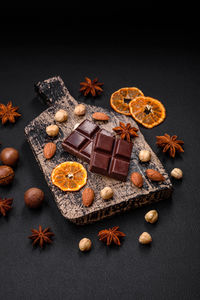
[(51, 90)]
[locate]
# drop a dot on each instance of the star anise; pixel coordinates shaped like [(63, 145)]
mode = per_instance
[(8, 112), (170, 144), (91, 86), (111, 235), (41, 236), (5, 205), (126, 131)]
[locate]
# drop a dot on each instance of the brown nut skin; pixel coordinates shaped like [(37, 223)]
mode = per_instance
[(34, 197), (9, 156), (6, 175)]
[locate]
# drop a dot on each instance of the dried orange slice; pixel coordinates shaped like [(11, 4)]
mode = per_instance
[(117, 100), (147, 111), (69, 176)]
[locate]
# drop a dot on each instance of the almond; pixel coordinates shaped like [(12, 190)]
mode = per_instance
[(87, 196), (100, 116), (49, 150), (137, 179), (154, 175)]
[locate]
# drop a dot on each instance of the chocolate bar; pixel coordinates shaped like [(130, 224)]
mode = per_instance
[(79, 142), (110, 156)]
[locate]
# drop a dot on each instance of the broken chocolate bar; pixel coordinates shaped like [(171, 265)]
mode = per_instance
[(79, 142), (110, 156)]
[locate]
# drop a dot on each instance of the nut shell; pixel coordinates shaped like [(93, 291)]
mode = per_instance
[(154, 175), (6, 175), (99, 116), (9, 156), (106, 193), (49, 150), (80, 110), (34, 197), (145, 238), (177, 173), (52, 130), (85, 244), (137, 179), (151, 216), (87, 197), (144, 155)]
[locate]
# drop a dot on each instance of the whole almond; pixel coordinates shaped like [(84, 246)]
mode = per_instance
[(87, 196), (154, 175), (49, 150), (137, 179), (100, 116)]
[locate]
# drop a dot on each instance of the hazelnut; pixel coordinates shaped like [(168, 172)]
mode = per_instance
[(106, 193), (151, 216), (34, 197), (61, 115), (6, 175), (145, 238), (85, 244), (52, 130), (144, 155), (9, 156), (177, 173), (80, 110)]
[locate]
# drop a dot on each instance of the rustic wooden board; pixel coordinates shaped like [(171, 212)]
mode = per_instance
[(126, 196)]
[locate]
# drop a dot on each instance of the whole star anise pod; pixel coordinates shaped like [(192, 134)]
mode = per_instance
[(8, 112), (126, 131), (41, 236), (111, 235), (5, 205), (91, 86), (170, 144)]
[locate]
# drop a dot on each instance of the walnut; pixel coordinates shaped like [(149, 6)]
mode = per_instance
[(85, 244), (145, 238), (151, 216), (144, 155), (52, 130), (61, 115), (80, 110), (177, 173), (106, 193)]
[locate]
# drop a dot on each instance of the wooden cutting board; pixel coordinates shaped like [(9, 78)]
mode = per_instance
[(126, 195)]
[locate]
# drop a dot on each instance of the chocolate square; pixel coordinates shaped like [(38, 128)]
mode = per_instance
[(76, 140), (110, 156), (100, 163), (104, 143)]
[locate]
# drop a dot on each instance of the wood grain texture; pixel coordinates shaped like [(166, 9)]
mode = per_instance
[(126, 195)]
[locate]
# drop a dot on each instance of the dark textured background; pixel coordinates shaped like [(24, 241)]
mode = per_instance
[(159, 54)]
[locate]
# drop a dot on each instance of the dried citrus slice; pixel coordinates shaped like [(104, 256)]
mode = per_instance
[(147, 111), (69, 176), (118, 98)]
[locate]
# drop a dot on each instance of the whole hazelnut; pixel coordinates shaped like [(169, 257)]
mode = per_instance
[(177, 173), (80, 110), (52, 130), (6, 175), (145, 238), (106, 193), (61, 115), (85, 244), (9, 156), (151, 216), (145, 155), (34, 197)]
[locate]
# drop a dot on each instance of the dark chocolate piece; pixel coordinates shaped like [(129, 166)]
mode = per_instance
[(110, 156), (79, 142)]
